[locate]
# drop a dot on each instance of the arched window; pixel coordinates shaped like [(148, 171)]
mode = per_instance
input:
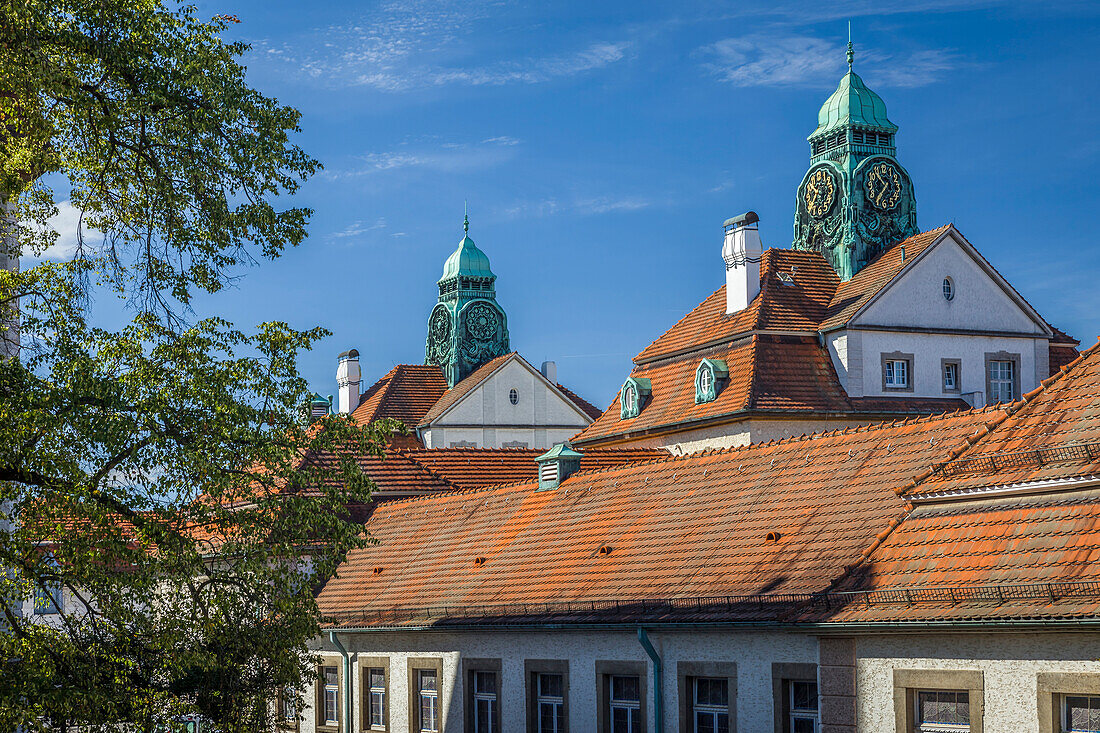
[(709, 379), (632, 397), (948, 288)]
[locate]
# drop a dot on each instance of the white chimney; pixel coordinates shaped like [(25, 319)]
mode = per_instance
[(741, 250), (550, 371), (347, 379)]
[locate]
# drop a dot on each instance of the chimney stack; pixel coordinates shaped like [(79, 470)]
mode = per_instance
[(741, 251), (347, 379), (550, 371)]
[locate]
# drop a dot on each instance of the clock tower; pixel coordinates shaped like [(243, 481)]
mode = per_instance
[(466, 327), (856, 199)]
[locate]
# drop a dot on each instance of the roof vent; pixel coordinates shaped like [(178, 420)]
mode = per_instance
[(479, 560), (772, 537), (377, 570), (556, 465), (319, 407), (605, 550)]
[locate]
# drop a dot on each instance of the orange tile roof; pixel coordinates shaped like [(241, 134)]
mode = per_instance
[(469, 468), (676, 528), (405, 393), (778, 374), (586, 407), (782, 307)]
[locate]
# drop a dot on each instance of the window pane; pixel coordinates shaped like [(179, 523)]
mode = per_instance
[(804, 696), (620, 721), (804, 725), (624, 688), (704, 723), (330, 675), (485, 682), (550, 684), (1082, 714), (377, 678), (427, 679)]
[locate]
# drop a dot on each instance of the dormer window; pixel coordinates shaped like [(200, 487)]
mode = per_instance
[(632, 397), (710, 377)]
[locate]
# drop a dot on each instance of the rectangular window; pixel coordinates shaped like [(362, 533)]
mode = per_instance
[(895, 374), (288, 707), (940, 711), (376, 690), (1081, 714), (550, 703), (427, 686), (47, 594), (486, 702), (330, 677), (624, 704), (710, 705), (803, 706), (950, 376), (1002, 381)]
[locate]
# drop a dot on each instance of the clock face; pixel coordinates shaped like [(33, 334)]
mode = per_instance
[(820, 192), (883, 185), (439, 334), (481, 322)]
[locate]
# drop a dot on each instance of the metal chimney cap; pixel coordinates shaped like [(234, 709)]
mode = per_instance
[(350, 354), (749, 217)]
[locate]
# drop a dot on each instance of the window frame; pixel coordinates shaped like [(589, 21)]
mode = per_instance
[(716, 373), (320, 721), (532, 668), (909, 373), (687, 672), (642, 388), (947, 288), (53, 593), (1054, 687), (908, 682), (366, 664), (1017, 375), (285, 723), (944, 363), (470, 667), (415, 666), (783, 673), (605, 670)]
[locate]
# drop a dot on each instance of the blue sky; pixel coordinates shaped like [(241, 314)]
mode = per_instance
[(601, 145)]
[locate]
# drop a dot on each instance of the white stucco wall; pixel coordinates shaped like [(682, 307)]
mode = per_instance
[(927, 350), (487, 418), (733, 435), (753, 653), (916, 298), (1010, 664), (915, 301)]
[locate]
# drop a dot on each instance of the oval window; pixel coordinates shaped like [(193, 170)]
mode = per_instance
[(513, 397), (948, 288)]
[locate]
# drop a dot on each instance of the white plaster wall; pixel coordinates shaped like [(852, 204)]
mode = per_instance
[(929, 348), (753, 652), (488, 403), (490, 437), (1010, 663), (916, 299), (741, 433), (837, 341)]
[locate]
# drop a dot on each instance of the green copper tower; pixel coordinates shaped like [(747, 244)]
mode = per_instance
[(467, 327), (855, 200)]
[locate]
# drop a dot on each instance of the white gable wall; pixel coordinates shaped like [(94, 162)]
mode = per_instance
[(912, 317), (915, 299), (487, 418)]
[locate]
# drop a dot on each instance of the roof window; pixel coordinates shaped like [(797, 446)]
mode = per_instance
[(632, 397), (710, 377)]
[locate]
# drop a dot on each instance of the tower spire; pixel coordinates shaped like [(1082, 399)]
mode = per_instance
[(466, 217), (851, 53)]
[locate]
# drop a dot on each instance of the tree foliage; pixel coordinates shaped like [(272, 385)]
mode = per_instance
[(159, 478)]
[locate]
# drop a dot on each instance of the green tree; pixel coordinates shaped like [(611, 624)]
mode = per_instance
[(160, 478)]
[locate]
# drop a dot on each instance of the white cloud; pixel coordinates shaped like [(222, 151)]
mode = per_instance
[(359, 227), (583, 206), (70, 233), (413, 44), (449, 157), (797, 60)]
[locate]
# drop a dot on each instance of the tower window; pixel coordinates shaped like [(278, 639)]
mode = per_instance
[(513, 396), (948, 289)]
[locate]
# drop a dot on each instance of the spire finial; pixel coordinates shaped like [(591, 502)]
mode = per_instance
[(466, 217), (851, 53)]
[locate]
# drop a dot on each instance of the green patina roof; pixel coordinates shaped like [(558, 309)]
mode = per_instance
[(561, 450), (852, 104), (467, 260)]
